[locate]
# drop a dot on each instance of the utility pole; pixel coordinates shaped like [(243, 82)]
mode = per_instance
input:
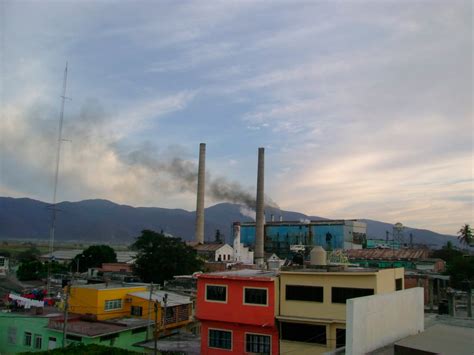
[(66, 310), (149, 312), (155, 332)]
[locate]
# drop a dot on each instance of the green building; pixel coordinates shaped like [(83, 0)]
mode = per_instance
[(22, 332)]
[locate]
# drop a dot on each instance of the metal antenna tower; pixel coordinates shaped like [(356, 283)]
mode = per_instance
[(52, 229)]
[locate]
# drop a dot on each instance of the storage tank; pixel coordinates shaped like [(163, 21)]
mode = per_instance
[(318, 256)]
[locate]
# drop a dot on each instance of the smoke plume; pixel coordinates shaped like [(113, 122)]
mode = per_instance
[(184, 175)]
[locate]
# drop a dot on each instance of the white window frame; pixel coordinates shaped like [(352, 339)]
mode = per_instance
[(106, 309), (222, 330), (219, 285), (254, 304), (250, 333)]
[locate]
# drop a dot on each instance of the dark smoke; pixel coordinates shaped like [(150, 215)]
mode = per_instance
[(184, 175)]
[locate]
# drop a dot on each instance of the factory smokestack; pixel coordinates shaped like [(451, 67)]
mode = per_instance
[(200, 194), (260, 213)]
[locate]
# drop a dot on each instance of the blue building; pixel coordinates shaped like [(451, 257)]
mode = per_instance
[(283, 238)]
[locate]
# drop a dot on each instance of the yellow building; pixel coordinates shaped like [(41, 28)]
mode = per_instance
[(312, 311), (103, 302)]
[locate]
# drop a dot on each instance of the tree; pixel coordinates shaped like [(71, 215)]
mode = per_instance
[(30, 270), (94, 256), (159, 258), (447, 253), (29, 254), (461, 269), (465, 235)]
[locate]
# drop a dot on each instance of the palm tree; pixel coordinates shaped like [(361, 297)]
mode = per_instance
[(465, 235)]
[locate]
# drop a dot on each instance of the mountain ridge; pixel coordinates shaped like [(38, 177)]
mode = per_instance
[(107, 221)]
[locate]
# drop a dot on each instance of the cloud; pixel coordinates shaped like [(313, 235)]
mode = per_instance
[(367, 106)]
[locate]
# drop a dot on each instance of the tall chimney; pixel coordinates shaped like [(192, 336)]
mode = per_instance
[(260, 213), (200, 194)]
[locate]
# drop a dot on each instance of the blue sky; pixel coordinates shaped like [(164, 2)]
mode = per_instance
[(365, 108)]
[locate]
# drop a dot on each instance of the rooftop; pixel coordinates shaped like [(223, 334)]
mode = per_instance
[(307, 222), (104, 286), (244, 273), (77, 325), (441, 339), (387, 254), (122, 256), (174, 299), (328, 269), (206, 246)]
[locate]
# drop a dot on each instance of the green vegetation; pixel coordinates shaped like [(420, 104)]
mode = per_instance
[(94, 256), (91, 349), (160, 258), (36, 270), (459, 267), (30, 254), (465, 235)]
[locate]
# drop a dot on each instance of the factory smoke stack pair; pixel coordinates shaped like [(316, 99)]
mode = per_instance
[(260, 214)]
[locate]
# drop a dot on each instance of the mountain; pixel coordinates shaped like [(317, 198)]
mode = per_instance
[(102, 220)]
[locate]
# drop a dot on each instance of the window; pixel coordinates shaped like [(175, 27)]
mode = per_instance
[(255, 296), (11, 335), (220, 339), (304, 293), (137, 311), (307, 333), (2, 261), (258, 344), (38, 341), (341, 294), (340, 338), (27, 339), (113, 304), (398, 284), (216, 293)]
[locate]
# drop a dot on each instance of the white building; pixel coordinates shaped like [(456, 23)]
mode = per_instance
[(242, 254)]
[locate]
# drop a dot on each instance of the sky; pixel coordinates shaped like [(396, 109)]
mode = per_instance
[(364, 107)]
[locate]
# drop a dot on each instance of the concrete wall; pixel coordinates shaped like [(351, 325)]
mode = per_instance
[(327, 280), (376, 321)]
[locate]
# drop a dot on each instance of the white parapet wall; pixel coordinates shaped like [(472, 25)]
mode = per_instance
[(373, 322)]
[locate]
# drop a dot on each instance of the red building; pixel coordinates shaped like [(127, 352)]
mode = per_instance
[(237, 312)]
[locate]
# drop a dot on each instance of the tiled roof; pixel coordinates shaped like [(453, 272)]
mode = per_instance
[(387, 254)]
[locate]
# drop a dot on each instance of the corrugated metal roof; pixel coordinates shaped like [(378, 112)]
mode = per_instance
[(387, 254), (208, 246), (122, 256), (174, 299)]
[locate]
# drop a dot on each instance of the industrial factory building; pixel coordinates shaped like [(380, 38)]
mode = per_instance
[(287, 238)]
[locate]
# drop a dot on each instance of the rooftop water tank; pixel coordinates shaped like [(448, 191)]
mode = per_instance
[(318, 256)]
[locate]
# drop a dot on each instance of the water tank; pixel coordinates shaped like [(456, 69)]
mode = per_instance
[(318, 256)]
